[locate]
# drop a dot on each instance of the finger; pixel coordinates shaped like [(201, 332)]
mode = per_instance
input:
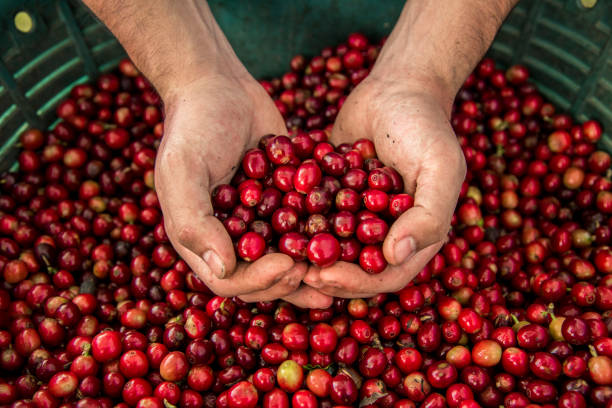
[(349, 280), (285, 286), (247, 277), (259, 275), (208, 238), (345, 134), (307, 297), (342, 278), (313, 277), (428, 222), (269, 119), (187, 207)]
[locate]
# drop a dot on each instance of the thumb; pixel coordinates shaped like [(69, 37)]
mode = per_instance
[(428, 222), (208, 239), (414, 230), (188, 213)]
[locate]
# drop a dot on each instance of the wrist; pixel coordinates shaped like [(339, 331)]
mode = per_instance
[(196, 50), (173, 43), (436, 44), (414, 79), (171, 77)]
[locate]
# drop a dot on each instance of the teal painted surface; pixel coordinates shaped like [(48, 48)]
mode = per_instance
[(567, 48), (266, 37)]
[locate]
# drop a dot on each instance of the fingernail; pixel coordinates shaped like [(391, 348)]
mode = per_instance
[(214, 263), (404, 249)]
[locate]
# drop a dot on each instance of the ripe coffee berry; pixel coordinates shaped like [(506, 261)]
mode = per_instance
[(310, 182), (514, 310), (325, 230), (323, 250)]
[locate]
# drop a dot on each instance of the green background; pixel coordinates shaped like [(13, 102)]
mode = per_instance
[(567, 48)]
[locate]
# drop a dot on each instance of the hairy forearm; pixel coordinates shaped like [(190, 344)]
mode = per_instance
[(173, 42), (442, 40)]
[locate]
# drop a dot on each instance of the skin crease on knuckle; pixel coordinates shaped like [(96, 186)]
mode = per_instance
[(185, 234), (291, 283)]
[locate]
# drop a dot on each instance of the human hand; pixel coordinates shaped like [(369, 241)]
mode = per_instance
[(209, 125), (404, 107), (214, 111), (409, 125)]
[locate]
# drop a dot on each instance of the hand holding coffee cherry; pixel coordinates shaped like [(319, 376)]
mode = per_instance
[(213, 103), (232, 111), (214, 111), (404, 106), (411, 133), (310, 200)]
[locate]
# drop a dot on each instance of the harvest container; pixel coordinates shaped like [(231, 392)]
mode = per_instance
[(47, 46)]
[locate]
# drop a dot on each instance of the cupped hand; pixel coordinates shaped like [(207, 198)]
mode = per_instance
[(408, 121), (209, 125)]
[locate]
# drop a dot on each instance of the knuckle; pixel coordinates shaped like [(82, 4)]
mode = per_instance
[(442, 232), (290, 283), (185, 234), (312, 280), (162, 168), (453, 156)]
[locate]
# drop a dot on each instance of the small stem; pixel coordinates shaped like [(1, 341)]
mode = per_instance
[(86, 349), (550, 311), (167, 404)]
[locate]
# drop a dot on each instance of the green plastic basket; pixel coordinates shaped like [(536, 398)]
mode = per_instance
[(47, 46)]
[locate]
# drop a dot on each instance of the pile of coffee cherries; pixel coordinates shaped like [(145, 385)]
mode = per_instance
[(319, 202), (97, 310)]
